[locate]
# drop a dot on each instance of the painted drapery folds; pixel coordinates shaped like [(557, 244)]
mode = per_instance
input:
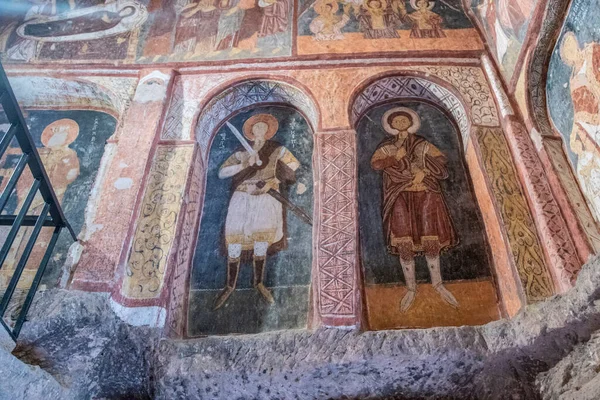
[(331, 26), (423, 246), (251, 269), (70, 144), (573, 87), (505, 24)]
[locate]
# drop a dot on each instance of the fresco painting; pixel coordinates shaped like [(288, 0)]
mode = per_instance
[(127, 31), (573, 87), (332, 26), (424, 252), (505, 24), (257, 216), (70, 144)]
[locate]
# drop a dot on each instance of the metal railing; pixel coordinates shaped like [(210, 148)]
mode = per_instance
[(50, 215)]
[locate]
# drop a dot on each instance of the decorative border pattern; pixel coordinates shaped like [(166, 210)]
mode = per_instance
[(553, 19), (157, 224), (246, 94), (337, 282), (553, 227), (562, 167), (514, 211), (473, 87)]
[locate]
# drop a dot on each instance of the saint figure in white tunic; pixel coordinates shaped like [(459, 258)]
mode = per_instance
[(255, 222)]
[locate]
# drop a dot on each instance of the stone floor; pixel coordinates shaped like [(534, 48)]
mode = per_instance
[(74, 346)]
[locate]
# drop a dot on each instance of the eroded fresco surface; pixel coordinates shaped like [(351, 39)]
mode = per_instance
[(71, 145)]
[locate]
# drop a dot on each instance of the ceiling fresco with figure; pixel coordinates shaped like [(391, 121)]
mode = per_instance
[(152, 31), (574, 95), (505, 25)]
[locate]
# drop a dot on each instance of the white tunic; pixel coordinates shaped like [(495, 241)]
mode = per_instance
[(253, 214)]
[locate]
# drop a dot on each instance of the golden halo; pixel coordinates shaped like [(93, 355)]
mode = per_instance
[(268, 119), (415, 117), (61, 125)]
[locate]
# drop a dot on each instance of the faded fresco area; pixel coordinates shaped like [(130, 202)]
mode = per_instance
[(71, 145), (331, 26), (423, 248), (132, 31), (573, 87), (505, 24), (251, 269)]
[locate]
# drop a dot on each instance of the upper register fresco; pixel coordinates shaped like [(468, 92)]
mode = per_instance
[(151, 31)]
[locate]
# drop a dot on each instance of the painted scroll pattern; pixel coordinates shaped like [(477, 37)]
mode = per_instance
[(336, 252), (514, 211), (472, 85), (563, 169), (553, 227), (157, 223)]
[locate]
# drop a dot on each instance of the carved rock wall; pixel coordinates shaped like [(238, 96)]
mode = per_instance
[(76, 338)]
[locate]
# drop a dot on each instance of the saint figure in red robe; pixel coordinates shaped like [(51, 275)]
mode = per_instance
[(415, 216)]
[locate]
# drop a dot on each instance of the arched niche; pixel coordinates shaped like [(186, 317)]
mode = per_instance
[(227, 233), (70, 121), (237, 96), (448, 114)]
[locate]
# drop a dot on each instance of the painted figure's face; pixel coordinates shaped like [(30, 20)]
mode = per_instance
[(422, 4), (260, 130), (569, 51), (375, 4), (401, 123), (59, 137)]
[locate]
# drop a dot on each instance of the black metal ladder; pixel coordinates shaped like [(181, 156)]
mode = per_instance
[(51, 214)]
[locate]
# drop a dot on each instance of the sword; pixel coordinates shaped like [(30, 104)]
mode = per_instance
[(244, 142), (292, 207), (273, 193)]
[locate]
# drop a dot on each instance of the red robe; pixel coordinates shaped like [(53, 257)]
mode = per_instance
[(413, 214), (275, 18)]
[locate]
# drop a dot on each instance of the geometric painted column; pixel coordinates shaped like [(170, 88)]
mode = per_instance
[(120, 185), (336, 275)]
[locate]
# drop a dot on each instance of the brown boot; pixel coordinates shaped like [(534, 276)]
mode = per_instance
[(259, 275), (233, 269)]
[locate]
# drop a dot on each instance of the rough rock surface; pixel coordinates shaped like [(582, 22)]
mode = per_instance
[(577, 376), (542, 353)]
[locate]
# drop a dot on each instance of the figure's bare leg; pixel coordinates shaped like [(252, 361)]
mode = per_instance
[(260, 260), (408, 268), (234, 252), (433, 262)]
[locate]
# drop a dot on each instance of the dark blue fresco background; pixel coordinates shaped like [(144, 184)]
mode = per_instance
[(94, 129), (469, 259), (583, 20), (289, 267)]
